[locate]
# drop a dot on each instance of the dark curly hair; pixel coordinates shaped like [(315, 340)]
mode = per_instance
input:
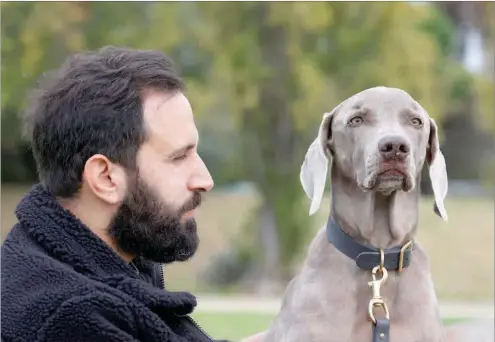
[(93, 105)]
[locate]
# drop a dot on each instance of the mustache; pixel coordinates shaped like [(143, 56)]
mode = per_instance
[(191, 204)]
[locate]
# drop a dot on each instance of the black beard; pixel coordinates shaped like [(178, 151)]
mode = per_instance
[(148, 227)]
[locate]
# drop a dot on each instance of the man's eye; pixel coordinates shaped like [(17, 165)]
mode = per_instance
[(181, 157)]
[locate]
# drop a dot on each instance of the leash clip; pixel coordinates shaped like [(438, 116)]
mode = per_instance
[(376, 300)]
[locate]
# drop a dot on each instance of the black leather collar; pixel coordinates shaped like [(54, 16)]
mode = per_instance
[(367, 257)]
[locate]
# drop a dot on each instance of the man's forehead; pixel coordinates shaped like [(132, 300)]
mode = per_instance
[(169, 121)]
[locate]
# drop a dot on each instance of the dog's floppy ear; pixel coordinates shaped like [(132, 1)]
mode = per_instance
[(314, 169), (437, 171)]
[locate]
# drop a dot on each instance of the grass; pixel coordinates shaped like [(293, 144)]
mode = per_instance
[(460, 251), (233, 326), (236, 326)]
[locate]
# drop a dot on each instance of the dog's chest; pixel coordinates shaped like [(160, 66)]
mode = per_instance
[(340, 295)]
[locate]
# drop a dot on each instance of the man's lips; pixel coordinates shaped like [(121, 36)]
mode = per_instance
[(188, 214)]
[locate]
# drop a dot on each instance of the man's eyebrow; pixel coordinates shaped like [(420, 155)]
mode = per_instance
[(182, 150)]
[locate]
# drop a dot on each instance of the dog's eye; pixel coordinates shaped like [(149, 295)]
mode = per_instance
[(357, 120), (416, 122)]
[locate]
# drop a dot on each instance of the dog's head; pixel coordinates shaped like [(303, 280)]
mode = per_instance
[(380, 138)]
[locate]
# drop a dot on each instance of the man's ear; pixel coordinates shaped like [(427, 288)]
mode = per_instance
[(314, 169), (106, 180), (437, 171)]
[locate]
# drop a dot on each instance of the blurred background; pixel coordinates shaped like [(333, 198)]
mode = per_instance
[(260, 75)]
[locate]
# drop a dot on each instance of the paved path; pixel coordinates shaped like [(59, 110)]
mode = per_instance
[(213, 303)]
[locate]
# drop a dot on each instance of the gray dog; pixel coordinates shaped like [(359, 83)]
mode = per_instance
[(364, 265)]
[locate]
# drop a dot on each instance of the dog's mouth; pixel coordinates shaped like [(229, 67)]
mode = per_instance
[(389, 177), (392, 171)]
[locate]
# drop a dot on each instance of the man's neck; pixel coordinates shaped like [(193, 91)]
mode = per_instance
[(373, 218)]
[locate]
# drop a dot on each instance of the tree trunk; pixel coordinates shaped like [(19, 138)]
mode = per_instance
[(272, 145), (269, 281)]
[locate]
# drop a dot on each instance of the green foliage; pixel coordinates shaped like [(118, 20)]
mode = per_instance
[(441, 28), (260, 75)]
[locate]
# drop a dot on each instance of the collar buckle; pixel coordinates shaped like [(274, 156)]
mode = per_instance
[(401, 255)]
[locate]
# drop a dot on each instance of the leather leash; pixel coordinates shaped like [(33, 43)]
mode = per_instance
[(377, 260)]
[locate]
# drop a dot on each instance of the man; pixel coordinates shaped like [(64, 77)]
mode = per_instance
[(115, 145)]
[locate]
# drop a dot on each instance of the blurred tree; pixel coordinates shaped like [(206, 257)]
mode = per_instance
[(468, 63), (469, 20), (34, 36)]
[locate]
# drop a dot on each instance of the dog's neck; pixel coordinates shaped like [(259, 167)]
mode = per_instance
[(372, 218)]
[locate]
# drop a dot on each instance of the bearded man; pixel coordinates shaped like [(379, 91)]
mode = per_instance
[(115, 145)]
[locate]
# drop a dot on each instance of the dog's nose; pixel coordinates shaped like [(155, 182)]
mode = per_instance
[(393, 147)]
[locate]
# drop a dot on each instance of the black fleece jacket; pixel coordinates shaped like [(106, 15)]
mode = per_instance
[(60, 282)]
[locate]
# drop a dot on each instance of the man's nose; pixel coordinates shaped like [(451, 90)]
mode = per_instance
[(201, 180), (393, 147)]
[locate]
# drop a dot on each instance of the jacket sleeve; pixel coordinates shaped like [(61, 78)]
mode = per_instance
[(94, 317)]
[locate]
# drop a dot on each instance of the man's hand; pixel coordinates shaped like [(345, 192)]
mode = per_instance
[(255, 338)]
